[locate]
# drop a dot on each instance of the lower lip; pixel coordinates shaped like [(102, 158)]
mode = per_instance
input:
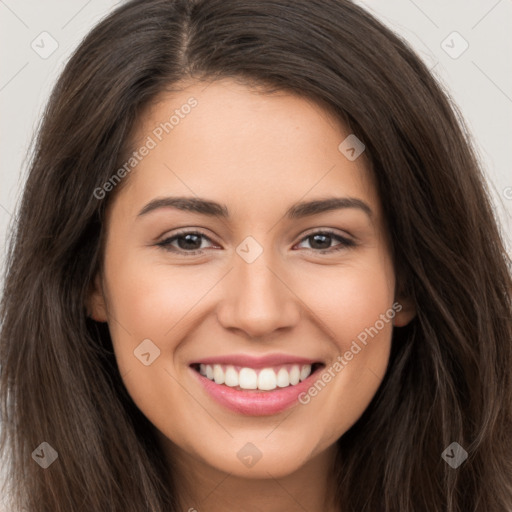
[(254, 402)]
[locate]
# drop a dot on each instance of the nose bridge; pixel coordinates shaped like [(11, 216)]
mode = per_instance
[(257, 300)]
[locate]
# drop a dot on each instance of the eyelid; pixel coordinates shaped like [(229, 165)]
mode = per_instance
[(346, 241), (189, 230), (182, 232), (338, 232)]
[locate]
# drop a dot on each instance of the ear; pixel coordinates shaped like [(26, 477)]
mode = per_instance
[(405, 311), (95, 303)]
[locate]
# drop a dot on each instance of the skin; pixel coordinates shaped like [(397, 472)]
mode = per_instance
[(258, 154)]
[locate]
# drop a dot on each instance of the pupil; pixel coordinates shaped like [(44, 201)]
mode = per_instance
[(186, 244), (324, 238)]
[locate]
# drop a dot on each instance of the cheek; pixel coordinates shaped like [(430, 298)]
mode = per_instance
[(362, 318), (150, 298), (350, 299), (357, 312), (151, 302)]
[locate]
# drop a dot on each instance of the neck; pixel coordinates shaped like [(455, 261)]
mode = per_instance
[(205, 488)]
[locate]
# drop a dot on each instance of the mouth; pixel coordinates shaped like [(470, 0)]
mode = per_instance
[(257, 379), (256, 385)]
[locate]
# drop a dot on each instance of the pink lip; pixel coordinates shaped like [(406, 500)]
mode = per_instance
[(256, 362), (255, 402)]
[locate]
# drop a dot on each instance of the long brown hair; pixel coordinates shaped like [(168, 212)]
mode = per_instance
[(449, 375)]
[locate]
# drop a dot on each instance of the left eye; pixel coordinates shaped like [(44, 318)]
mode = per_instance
[(190, 242), (323, 238)]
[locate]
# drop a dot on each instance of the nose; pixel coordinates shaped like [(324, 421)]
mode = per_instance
[(258, 298)]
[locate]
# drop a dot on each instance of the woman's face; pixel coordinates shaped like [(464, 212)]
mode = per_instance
[(265, 291)]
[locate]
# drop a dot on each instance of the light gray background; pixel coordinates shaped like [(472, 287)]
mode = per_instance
[(479, 79)]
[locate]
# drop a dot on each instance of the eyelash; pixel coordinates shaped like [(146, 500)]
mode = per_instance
[(345, 242)]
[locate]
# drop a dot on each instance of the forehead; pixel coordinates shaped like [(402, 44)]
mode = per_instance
[(244, 146)]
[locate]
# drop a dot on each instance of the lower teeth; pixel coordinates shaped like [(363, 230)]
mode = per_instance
[(238, 388)]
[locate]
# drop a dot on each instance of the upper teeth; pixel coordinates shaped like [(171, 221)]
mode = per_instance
[(265, 379)]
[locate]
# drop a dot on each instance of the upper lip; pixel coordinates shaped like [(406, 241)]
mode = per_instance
[(249, 361)]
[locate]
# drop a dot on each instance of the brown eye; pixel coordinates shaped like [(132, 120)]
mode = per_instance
[(321, 241), (189, 242)]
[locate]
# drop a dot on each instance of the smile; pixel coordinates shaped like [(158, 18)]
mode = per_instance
[(263, 379), (255, 386)]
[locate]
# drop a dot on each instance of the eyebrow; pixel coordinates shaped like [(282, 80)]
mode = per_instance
[(296, 211)]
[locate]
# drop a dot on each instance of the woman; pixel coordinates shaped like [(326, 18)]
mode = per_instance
[(139, 372)]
